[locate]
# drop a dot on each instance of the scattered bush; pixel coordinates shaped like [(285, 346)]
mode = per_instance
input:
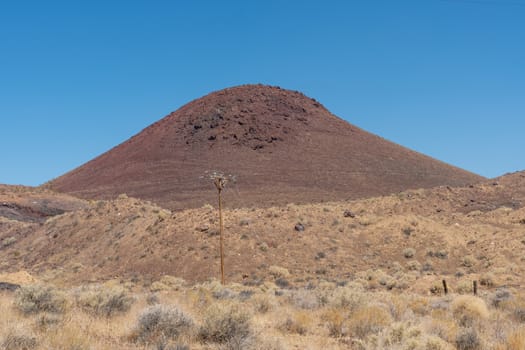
[(152, 299), (6, 242), (407, 231), (519, 313), (348, 297), (468, 339), (162, 322), (464, 287), (279, 272), (262, 303), (468, 309), (37, 298), (17, 338), (304, 299), (298, 323), (409, 253), (501, 296), (282, 282), (487, 279), (368, 320), (335, 321), (224, 322), (414, 265), (104, 300), (468, 261)]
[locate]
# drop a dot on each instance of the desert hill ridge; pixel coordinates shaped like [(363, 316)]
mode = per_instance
[(131, 238), (283, 147)]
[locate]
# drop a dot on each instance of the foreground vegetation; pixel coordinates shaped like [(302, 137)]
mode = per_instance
[(169, 314)]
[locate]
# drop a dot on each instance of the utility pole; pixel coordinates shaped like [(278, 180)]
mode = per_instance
[(220, 182)]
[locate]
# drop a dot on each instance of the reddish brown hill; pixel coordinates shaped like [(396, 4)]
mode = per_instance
[(281, 145)]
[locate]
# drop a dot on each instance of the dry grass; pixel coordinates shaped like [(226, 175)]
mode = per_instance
[(468, 310), (325, 316)]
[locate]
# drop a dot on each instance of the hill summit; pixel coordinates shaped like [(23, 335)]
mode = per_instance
[(281, 145)]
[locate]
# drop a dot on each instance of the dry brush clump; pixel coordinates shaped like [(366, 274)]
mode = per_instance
[(103, 300), (17, 337), (469, 310), (37, 298), (225, 322), (159, 323)]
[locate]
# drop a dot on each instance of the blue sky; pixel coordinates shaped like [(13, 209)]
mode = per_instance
[(443, 77)]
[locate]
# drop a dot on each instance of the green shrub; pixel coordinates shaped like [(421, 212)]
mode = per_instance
[(104, 300), (37, 298)]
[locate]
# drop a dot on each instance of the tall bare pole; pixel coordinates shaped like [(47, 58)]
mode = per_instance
[(219, 184)]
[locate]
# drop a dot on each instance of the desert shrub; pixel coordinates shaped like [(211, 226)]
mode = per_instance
[(152, 299), (172, 282), (297, 323), (45, 320), (519, 313), (444, 328), (37, 298), (348, 297), (441, 253), (224, 322), (335, 321), (409, 253), (436, 343), (264, 247), (278, 272), (158, 286), (18, 337), (393, 335), (262, 303), (501, 296), (468, 309), (368, 320), (464, 287), (437, 288), (104, 300), (414, 265), (304, 299), (407, 231), (487, 279), (468, 261), (468, 339), (419, 305), (162, 322), (6, 242), (224, 293), (282, 282)]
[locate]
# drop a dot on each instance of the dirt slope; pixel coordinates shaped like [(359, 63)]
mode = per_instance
[(470, 230), (282, 146)]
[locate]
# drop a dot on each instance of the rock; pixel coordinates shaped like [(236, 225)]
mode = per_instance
[(299, 227), (203, 228), (348, 214)]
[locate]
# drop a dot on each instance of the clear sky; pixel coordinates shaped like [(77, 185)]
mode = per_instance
[(443, 77)]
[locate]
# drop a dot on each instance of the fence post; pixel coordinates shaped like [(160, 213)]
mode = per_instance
[(445, 287)]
